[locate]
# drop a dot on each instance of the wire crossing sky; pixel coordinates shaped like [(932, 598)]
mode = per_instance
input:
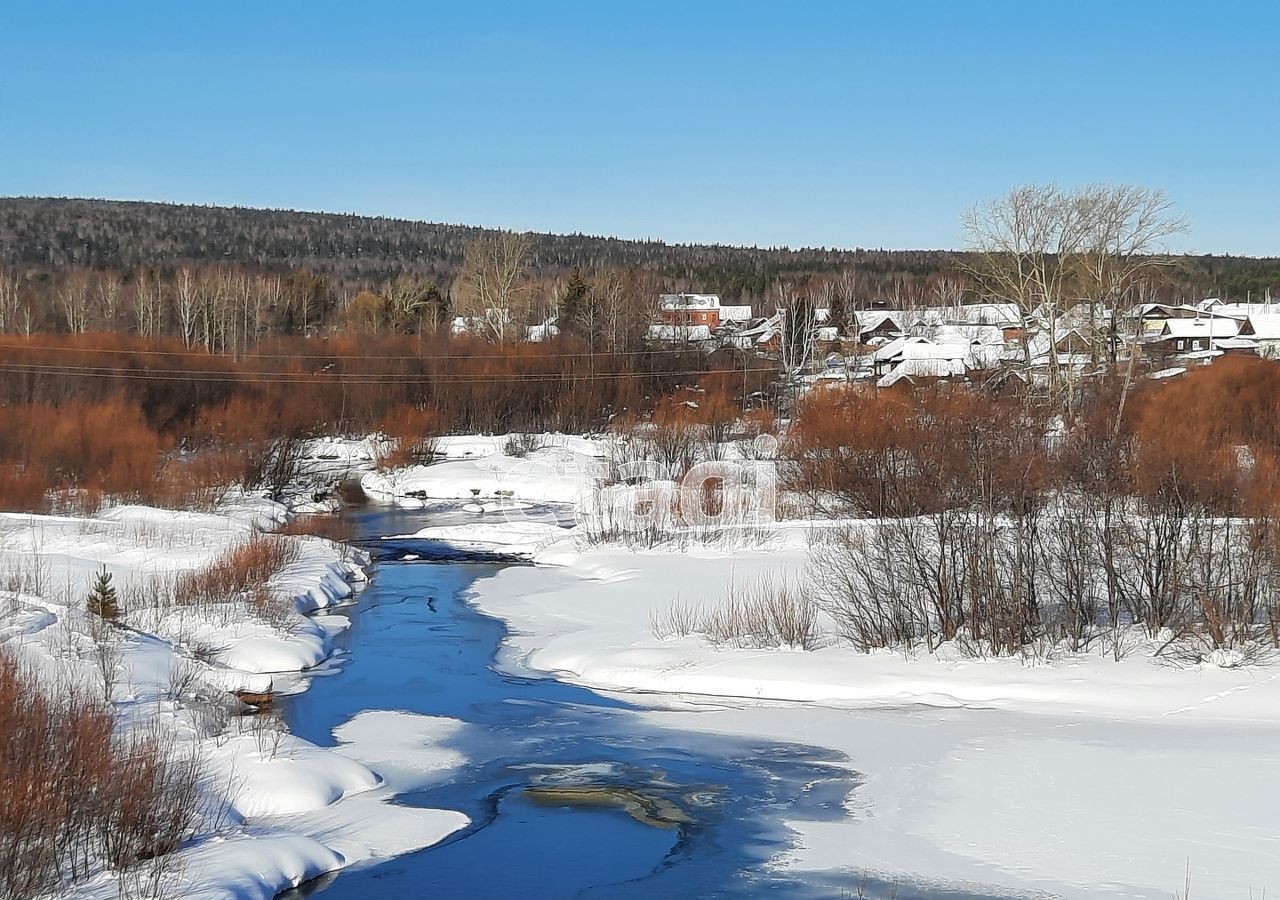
[(804, 124)]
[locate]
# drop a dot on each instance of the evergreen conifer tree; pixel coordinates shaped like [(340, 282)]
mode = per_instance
[(102, 598)]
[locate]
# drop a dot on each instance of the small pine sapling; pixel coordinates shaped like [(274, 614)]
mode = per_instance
[(102, 600)]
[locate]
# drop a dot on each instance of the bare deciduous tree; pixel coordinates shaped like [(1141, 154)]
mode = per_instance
[(73, 297), (109, 290), (1124, 245), (10, 294), (148, 304), (186, 304), (798, 321), (491, 288), (1048, 250), (1021, 241)]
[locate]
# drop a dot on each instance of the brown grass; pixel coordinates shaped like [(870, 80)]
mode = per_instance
[(333, 528), (766, 612), (240, 574)]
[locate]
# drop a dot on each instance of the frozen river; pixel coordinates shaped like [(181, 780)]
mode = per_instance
[(570, 793)]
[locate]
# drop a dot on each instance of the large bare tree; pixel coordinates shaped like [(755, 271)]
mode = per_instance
[(1124, 246), (1048, 251), (492, 289)]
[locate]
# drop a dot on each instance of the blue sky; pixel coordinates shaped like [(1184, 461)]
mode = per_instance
[(835, 124)]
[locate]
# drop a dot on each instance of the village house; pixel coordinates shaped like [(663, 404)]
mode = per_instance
[(879, 326), (897, 353), (690, 309), (1263, 330), (917, 369), (1190, 335), (1147, 320)]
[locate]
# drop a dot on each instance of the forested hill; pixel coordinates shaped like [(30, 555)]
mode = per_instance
[(52, 234), (109, 234)]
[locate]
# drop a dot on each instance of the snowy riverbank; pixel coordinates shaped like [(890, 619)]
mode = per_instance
[(1079, 777), (1063, 774), (278, 810)]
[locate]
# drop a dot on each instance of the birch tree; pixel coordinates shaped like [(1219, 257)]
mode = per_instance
[(148, 304), (1125, 244), (10, 297), (186, 302), (492, 290), (1048, 251), (1023, 243), (109, 290), (798, 322), (73, 298)]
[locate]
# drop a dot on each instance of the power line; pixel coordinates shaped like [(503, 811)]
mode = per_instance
[(339, 378), (205, 354)]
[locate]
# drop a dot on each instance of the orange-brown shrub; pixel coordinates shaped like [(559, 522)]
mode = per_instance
[(333, 528), (240, 574), (756, 422), (72, 792), (195, 482), (343, 384), (910, 452), (1200, 437), (23, 488), (413, 431), (105, 447)]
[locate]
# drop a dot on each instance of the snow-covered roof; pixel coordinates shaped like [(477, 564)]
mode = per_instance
[(1213, 326), (1205, 355), (923, 368), (968, 334), (951, 351), (1241, 310), (1236, 343), (1263, 326), (735, 313), (921, 348), (689, 301), (990, 356), (870, 320), (1163, 310), (999, 314), (893, 348), (986, 314), (1039, 343), (538, 333)]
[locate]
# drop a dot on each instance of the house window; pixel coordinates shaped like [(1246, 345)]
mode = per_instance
[(1182, 345)]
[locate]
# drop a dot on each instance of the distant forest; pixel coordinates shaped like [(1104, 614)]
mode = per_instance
[(361, 251)]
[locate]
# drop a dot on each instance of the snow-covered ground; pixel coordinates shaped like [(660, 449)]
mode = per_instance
[(292, 810), (561, 470), (1076, 775), (1081, 777)]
